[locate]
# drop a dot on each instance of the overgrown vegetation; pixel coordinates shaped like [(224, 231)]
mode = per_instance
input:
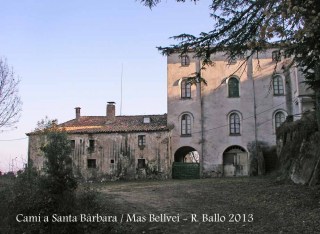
[(299, 151), (55, 192)]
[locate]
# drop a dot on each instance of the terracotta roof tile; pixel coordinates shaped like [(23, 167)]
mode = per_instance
[(103, 124)]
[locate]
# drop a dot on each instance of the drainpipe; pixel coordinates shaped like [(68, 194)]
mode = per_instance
[(288, 90), (250, 76), (201, 116)]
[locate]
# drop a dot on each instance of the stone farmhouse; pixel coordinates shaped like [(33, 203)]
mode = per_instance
[(113, 147), (210, 130)]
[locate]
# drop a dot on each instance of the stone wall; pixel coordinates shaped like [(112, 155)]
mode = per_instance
[(114, 156), (298, 150)]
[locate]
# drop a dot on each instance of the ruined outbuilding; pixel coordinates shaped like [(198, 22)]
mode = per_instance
[(114, 147)]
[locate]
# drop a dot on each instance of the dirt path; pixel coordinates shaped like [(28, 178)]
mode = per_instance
[(222, 205)]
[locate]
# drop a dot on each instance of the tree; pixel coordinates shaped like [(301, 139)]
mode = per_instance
[(58, 176), (41, 195), (242, 26), (10, 102), (57, 185)]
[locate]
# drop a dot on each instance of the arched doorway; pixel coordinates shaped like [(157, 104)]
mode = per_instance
[(235, 161), (186, 163), (186, 154)]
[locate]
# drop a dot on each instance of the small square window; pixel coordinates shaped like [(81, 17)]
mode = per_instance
[(141, 163), (112, 161), (146, 120), (92, 163)]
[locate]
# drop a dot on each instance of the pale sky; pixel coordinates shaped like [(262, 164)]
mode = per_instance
[(70, 53)]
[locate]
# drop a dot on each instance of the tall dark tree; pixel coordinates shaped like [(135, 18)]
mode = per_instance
[(242, 26), (10, 102), (58, 165), (58, 184)]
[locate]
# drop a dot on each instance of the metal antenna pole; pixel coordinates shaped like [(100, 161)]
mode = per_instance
[(121, 89)]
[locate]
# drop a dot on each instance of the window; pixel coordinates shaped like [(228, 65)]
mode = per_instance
[(233, 87), (91, 163), (112, 161), (234, 123), (91, 145), (146, 119), (186, 125), (73, 144), (142, 141), (185, 89), (185, 61), (276, 55), (279, 118), (141, 163), (82, 146), (278, 85)]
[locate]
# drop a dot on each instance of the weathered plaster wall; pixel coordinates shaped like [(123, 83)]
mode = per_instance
[(116, 155), (216, 106)]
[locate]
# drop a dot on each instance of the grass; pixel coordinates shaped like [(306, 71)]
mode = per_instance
[(249, 205)]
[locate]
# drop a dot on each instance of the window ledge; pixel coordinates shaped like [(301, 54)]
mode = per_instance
[(278, 95), (185, 135), (185, 98), (234, 134), (234, 97)]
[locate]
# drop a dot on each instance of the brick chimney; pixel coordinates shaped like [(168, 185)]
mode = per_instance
[(111, 110), (77, 112)]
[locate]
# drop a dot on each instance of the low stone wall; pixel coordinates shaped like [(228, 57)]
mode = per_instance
[(298, 149)]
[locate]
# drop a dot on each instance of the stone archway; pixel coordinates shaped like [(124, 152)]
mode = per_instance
[(186, 163), (235, 161), (186, 154)]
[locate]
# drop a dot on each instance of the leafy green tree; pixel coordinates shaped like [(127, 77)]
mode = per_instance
[(48, 193), (242, 26), (58, 181)]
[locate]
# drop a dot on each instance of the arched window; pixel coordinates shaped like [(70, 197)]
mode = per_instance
[(185, 125), (185, 61), (279, 118), (185, 89), (234, 124), (233, 87), (278, 85)]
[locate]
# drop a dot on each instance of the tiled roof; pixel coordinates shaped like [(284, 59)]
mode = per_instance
[(103, 124)]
